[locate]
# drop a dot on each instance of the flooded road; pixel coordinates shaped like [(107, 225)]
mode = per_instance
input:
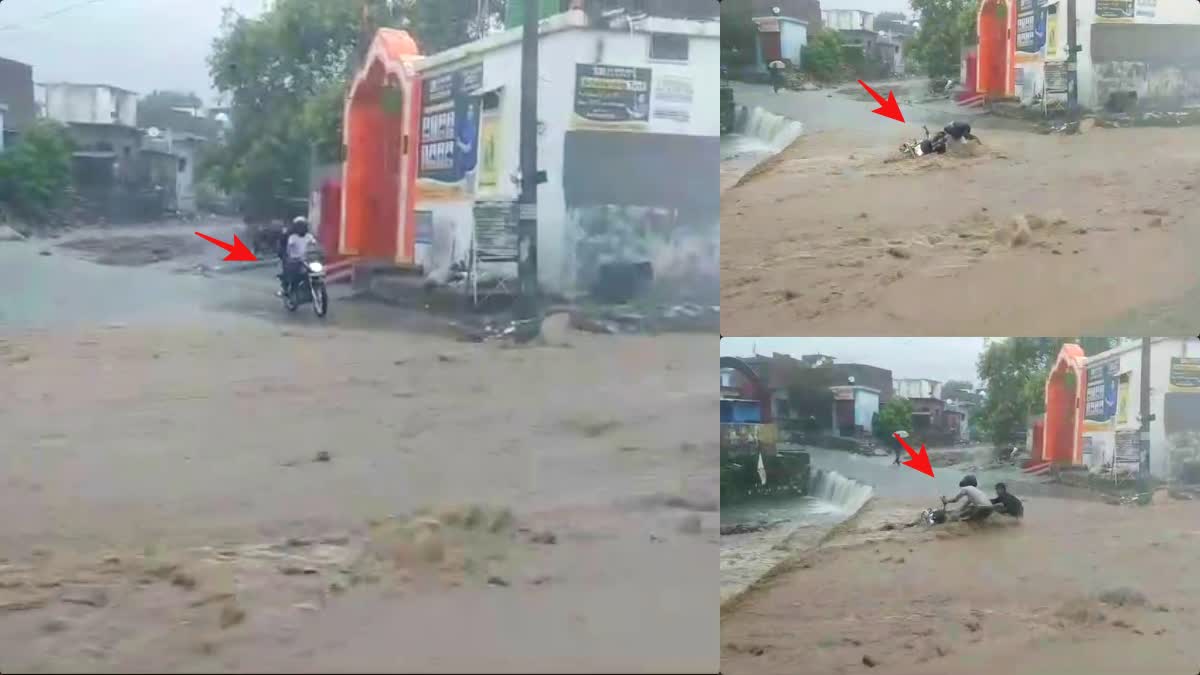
[(196, 480)]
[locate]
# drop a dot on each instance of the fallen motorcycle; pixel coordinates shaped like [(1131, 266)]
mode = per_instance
[(939, 142), (920, 148)]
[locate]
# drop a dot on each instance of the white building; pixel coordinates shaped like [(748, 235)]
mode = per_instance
[(1111, 428), (71, 103), (917, 388), (854, 409), (780, 37), (848, 19), (1131, 52), (628, 137)]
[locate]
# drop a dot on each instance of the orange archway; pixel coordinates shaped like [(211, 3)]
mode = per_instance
[(1062, 440), (996, 23), (381, 135)]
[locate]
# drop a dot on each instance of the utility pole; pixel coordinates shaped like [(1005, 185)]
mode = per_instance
[(1144, 413), (1072, 64), (527, 234)]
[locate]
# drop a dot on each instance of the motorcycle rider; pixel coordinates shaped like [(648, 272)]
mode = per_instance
[(977, 506), (299, 242)]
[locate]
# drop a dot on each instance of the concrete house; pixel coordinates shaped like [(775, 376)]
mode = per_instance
[(1132, 53), (19, 109), (626, 99)]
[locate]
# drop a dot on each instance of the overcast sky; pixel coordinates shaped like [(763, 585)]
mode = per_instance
[(935, 358), (876, 6), (141, 45)]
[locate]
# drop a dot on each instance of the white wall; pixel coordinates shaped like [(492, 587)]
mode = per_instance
[(1165, 12), (1130, 359), (90, 104), (793, 36), (866, 404), (848, 19), (558, 54), (917, 388)]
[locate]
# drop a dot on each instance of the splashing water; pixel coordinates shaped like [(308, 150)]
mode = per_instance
[(793, 525)]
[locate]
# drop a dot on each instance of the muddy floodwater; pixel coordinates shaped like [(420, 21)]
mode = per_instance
[(195, 480)]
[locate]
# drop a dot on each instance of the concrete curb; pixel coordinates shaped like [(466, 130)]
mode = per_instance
[(790, 562)]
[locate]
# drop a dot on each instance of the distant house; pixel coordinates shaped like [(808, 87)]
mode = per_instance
[(169, 160), (17, 99), (848, 19), (780, 38)]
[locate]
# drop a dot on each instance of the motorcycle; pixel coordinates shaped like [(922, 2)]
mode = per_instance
[(309, 287), (920, 148), (939, 142)]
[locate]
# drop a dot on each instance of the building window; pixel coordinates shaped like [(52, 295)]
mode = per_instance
[(182, 164), (668, 47)]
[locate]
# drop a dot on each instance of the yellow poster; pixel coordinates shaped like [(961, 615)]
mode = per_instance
[(489, 161), (1123, 399)]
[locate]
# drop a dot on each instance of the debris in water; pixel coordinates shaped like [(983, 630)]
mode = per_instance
[(322, 456), (868, 661)]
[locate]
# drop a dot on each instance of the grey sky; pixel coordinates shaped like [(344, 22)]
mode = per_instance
[(876, 6), (141, 45), (938, 358)]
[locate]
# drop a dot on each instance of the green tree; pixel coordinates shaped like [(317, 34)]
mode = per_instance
[(946, 25), (822, 55), (286, 74), (809, 394), (737, 33), (442, 24), (1014, 372), (958, 390), (171, 110), (895, 416), (35, 174), (884, 17)]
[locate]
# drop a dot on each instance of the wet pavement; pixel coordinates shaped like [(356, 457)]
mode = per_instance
[(66, 288), (831, 110)]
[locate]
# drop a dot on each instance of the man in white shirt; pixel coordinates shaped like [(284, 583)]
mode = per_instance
[(977, 506), (299, 242)]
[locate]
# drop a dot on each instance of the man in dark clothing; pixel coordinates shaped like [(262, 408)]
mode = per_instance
[(775, 69), (1006, 503)]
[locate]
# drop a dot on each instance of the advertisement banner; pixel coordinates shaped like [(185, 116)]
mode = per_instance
[(450, 133), (611, 96), (673, 98), (1031, 27), (1185, 375), (1123, 399), (1101, 404), (1114, 10), (490, 152)]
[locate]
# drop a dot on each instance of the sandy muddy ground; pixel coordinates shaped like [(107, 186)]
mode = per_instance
[(1077, 588), (1027, 234), (511, 509)]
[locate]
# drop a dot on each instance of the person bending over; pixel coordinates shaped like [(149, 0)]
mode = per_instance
[(1005, 502), (977, 506)]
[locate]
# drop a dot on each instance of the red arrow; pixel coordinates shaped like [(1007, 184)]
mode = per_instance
[(919, 461), (237, 250), (888, 108)]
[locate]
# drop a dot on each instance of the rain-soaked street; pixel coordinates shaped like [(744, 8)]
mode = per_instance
[(196, 480)]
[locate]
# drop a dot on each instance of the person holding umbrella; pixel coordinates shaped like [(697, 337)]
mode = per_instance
[(902, 434)]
